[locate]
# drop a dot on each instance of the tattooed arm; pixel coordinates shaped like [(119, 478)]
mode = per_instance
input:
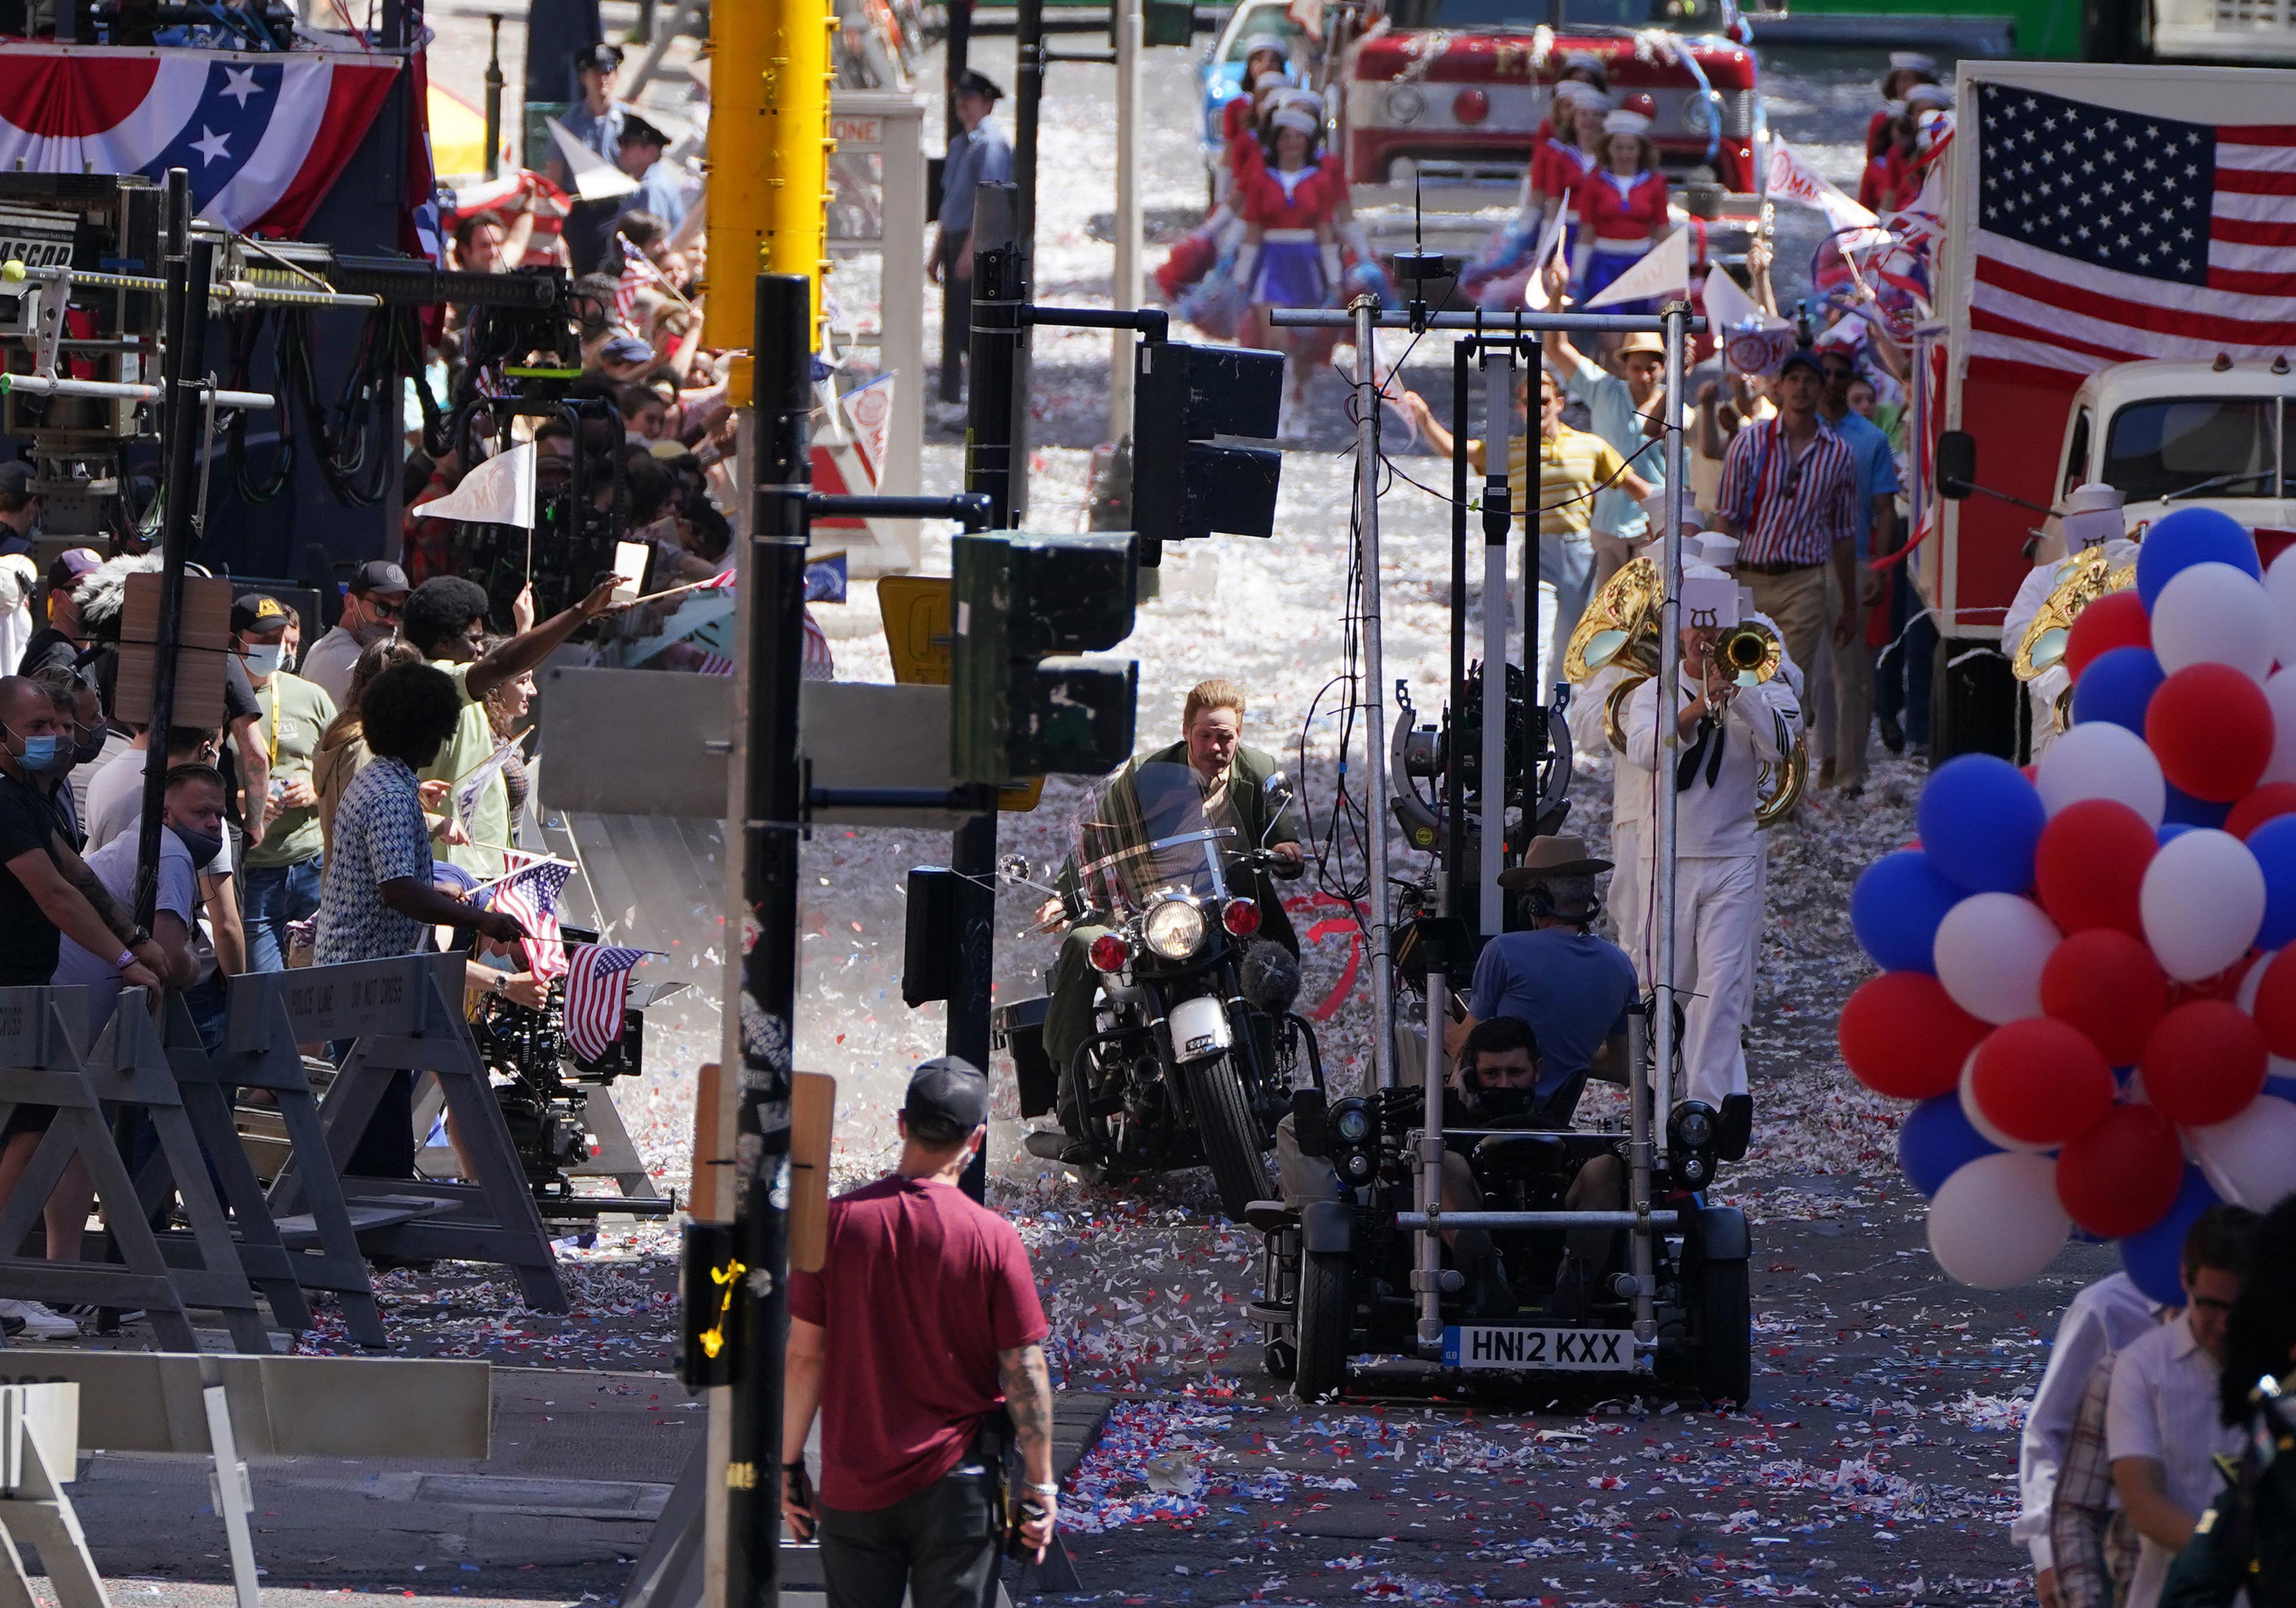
[(1029, 1402)]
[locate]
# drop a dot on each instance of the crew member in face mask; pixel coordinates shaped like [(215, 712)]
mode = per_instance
[(193, 838), (60, 642), (371, 605), (282, 873), (80, 723)]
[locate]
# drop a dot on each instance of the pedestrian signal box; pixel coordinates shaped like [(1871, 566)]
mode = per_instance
[(1184, 484), (1020, 705), (1166, 22)]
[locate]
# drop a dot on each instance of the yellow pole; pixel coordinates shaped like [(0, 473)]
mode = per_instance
[(769, 145)]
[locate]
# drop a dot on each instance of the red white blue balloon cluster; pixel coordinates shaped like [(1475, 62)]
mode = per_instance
[(2088, 983)]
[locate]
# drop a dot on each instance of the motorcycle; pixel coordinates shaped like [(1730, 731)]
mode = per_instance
[(1195, 1049)]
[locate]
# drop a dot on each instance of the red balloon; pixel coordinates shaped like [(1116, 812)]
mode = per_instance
[(2203, 1062), (2211, 730), (2274, 798), (2108, 984), (2089, 866), (2040, 1081), (2276, 1003), (2115, 620), (2122, 1175), (1903, 1036)]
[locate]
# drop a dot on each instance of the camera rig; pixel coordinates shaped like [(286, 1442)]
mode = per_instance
[(80, 337), (550, 1096)]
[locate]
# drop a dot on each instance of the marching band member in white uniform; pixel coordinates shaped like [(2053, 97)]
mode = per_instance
[(1728, 732), (2092, 516)]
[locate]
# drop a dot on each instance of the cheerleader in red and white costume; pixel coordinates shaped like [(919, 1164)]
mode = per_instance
[(1243, 121), (1561, 167), (1623, 206), (1295, 212)]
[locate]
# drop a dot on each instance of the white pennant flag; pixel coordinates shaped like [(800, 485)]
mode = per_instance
[(498, 492), (595, 179), (1664, 270), (1792, 179), (1726, 305)]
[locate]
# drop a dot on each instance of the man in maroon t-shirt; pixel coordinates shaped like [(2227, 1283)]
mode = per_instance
[(927, 1302)]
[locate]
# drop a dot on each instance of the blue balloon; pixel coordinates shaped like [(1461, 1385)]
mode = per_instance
[(2274, 844), (1981, 820), (2186, 810), (2117, 686), (1895, 909), (1937, 1141), (2155, 1258), (2190, 536)]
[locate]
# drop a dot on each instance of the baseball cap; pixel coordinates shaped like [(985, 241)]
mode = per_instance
[(257, 611), (16, 475), (71, 566), (379, 574), (948, 1100), (599, 58), (627, 348), (1801, 357)]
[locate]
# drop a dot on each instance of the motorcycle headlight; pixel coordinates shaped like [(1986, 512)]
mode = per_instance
[(1174, 929), (1405, 103)]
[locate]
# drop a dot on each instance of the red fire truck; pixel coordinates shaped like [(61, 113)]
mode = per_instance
[(1445, 95)]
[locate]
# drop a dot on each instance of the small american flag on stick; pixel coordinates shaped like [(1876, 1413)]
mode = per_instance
[(597, 990), (530, 895)]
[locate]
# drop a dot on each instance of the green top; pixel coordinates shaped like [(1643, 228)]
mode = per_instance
[(458, 756), (294, 714)]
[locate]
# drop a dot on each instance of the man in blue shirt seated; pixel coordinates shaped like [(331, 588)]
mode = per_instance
[(1571, 989)]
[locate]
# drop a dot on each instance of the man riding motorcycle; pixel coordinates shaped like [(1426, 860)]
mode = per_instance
[(1235, 782)]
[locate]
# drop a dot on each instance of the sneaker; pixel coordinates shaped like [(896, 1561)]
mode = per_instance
[(40, 1323)]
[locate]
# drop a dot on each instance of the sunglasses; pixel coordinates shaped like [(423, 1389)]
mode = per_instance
[(384, 609)]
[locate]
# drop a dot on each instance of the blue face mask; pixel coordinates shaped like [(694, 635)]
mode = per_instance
[(40, 752), (264, 659)]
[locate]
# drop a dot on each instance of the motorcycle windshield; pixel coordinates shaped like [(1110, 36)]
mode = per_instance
[(1146, 832)]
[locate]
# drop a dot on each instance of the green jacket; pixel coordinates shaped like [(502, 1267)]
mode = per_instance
[(1251, 769)]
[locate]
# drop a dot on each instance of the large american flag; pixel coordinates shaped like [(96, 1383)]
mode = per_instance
[(597, 987), (530, 893), (2106, 235)]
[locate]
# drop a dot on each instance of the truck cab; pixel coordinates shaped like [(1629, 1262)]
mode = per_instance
[(2173, 434), (1449, 92)]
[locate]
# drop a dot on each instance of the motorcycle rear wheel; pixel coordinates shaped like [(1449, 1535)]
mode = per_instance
[(1229, 1134)]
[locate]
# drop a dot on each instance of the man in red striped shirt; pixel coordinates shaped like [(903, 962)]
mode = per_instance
[(1790, 496)]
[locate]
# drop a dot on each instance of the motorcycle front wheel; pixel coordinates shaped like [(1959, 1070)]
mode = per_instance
[(1229, 1134)]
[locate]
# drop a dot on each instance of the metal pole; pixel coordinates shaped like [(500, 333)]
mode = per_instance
[(999, 289), (1375, 693), (1427, 1266), (1127, 288), (774, 670), (1498, 521), (495, 96), (1638, 1180), (1455, 818), (1676, 320), (181, 361), (1028, 55), (958, 51)]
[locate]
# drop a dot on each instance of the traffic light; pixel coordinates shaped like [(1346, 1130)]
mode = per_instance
[(1017, 707), (1182, 485)]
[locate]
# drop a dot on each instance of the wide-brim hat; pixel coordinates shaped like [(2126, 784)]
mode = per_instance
[(1552, 857)]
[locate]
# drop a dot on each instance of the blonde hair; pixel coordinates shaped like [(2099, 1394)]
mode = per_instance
[(1214, 694)]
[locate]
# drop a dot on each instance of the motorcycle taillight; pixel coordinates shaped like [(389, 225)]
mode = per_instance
[(1110, 953), (1241, 917)]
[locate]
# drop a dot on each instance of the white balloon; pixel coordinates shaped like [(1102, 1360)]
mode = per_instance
[(1997, 1222), (2250, 1159), (2203, 902), (2279, 692), (2212, 614), (2280, 587), (1989, 951), (1977, 1118), (2098, 759)]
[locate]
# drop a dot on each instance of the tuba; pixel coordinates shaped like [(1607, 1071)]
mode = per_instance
[(2083, 581), (1618, 631), (1755, 652)]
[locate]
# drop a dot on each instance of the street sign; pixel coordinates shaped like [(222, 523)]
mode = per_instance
[(917, 613)]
